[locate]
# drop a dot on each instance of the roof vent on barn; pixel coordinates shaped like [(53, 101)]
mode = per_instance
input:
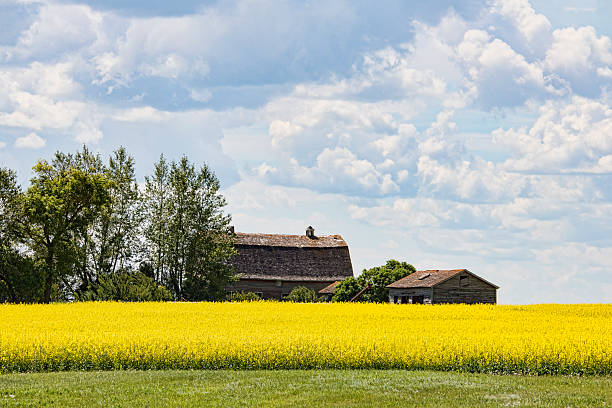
[(310, 232)]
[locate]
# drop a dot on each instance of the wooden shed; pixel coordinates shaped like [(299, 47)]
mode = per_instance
[(442, 286), (328, 292), (271, 265)]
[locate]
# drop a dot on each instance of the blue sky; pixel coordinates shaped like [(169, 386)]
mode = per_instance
[(472, 134)]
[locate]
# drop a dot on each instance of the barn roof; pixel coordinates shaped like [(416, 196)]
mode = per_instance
[(430, 278), (289, 241), (331, 289), (283, 257)]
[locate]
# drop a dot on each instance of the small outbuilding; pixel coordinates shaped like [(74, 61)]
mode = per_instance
[(271, 265), (328, 292), (442, 286)]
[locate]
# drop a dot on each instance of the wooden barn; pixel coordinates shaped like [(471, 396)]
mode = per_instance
[(442, 286), (270, 265)]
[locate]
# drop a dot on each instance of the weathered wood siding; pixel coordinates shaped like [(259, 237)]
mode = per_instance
[(276, 289), (329, 264), (467, 290), (408, 295)]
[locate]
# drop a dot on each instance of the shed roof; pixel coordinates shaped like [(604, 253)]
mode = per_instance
[(430, 278), (289, 241), (331, 289)]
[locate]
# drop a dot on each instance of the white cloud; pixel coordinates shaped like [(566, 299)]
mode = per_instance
[(568, 136), (30, 141), (578, 51), (579, 9), (46, 96), (200, 95), (487, 60), (2, 144), (336, 169), (397, 144), (58, 28), (533, 26)]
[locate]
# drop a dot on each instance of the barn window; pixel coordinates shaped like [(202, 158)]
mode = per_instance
[(463, 280)]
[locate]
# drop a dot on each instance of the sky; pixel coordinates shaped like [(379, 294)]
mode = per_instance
[(447, 134)]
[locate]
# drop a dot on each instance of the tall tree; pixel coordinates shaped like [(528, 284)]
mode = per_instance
[(155, 202), (19, 276), (186, 233), (63, 199), (206, 266), (115, 230), (10, 231)]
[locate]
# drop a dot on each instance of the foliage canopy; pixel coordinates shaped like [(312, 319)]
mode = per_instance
[(376, 279)]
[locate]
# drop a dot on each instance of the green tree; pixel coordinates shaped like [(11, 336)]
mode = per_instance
[(156, 202), (377, 279), (187, 239), (20, 280), (346, 290), (302, 294), (115, 230), (63, 199), (10, 196), (381, 276)]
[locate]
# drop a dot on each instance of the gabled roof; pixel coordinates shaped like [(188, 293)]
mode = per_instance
[(329, 290), (280, 257), (289, 241), (431, 278)]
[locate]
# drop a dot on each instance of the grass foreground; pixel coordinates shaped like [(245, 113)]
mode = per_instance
[(533, 339), (295, 388)]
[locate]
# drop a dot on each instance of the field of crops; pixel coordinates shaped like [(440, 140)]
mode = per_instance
[(555, 339)]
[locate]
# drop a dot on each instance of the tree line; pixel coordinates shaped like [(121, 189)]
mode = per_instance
[(85, 230)]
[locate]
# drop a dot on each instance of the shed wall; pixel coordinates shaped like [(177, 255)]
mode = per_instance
[(410, 295), (467, 290)]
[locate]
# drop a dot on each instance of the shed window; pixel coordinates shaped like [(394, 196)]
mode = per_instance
[(463, 280)]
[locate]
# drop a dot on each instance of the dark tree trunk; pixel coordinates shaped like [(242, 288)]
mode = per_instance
[(49, 277)]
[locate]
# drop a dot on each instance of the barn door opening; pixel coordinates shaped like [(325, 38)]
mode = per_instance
[(417, 299)]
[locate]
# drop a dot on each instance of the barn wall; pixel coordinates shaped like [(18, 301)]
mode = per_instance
[(468, 290), (407, 295), (273, 289), (293, 261)]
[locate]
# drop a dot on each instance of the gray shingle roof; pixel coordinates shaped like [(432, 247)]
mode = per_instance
[(289, 241), (292, 257)]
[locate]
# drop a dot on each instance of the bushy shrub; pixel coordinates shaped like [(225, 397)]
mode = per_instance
[(241, 297), (21, 279), (346, 290), (377, 278), (302, 294), (126, 286)]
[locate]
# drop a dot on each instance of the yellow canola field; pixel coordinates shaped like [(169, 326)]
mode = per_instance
[(556, 339)]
